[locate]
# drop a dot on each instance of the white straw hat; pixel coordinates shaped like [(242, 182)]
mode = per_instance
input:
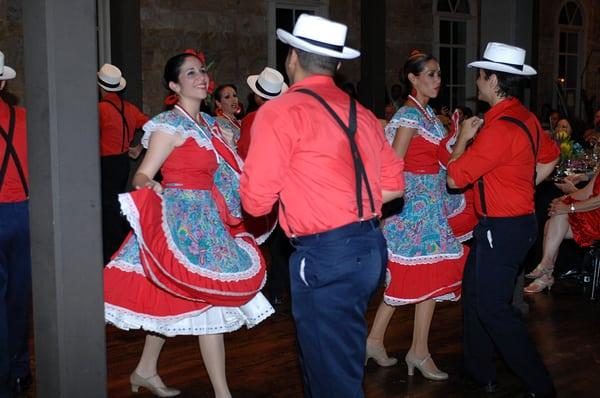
[(110, 78), (6, 72), (320, 36), (269, 84), (504, 58)]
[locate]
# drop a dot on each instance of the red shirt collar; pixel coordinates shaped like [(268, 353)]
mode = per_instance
[(499, 109), (313, 80)]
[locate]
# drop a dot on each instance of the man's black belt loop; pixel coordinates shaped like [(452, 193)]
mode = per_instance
[(359, 168), (124, 121), (11, 152), (534, 149)]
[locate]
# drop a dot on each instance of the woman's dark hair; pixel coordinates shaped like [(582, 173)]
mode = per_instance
[(173, 68), (509, 85), (219, 90), (415, 64)]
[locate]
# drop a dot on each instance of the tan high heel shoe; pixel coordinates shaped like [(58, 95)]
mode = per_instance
[(412, 363), (379, 356), (540, 284), (539, 271), (151, 384)]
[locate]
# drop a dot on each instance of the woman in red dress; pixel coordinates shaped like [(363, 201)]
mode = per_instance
[(426, 259), (189, 267), (574, 216)]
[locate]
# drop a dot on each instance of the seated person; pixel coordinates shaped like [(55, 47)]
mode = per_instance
[(563, 130), (573, 216)]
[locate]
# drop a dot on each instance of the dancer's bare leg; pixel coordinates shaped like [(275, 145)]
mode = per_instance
[(213, 354), (420, 342), (556, 230), (147, 365), (380, 324)]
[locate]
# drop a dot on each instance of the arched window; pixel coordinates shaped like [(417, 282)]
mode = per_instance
[(455, 42), (570, 55)]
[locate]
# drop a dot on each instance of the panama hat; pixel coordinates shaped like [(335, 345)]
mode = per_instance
[(110, 78), (504, 58), (6, 72), (269, 84), (320, 36)]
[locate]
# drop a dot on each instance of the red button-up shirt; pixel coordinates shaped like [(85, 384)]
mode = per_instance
[(112, 141), (12, 188), (501, 153), (301, 156)]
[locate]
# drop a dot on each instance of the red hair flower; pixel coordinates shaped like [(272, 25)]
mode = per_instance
[(198, 54)]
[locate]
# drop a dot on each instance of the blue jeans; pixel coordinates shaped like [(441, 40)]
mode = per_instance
[(499, 248), (333, 275), (15, 290)]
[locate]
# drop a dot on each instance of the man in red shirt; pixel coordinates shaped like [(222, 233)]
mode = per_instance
[(268, 85), (15, 256), (119, 120), (324, 157), (507, 158)]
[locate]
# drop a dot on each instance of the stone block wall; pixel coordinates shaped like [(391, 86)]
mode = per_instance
[(409, 25), (230, 32), (348, 13), (233, 33)]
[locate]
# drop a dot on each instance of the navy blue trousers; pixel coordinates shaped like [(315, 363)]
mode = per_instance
[(499, 248), (15, 290), (333, 275)]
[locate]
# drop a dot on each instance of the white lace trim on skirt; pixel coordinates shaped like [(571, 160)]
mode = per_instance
[(396, 301), (213, 320)]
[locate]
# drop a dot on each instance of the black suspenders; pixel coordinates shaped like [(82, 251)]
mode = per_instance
[(11, 151), (350, 130), (123, 119), (534, 148)]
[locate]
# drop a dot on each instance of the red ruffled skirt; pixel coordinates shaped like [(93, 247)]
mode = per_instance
[(183, 270)]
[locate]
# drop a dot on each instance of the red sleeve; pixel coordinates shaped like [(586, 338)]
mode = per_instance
[(548, 150), (243, 143), (274, 138), (392, 167), (487, 151), (102, 116), (442, 152)]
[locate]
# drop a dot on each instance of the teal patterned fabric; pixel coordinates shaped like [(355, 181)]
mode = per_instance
[(196, 229), (411, 117), (420, 234)]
